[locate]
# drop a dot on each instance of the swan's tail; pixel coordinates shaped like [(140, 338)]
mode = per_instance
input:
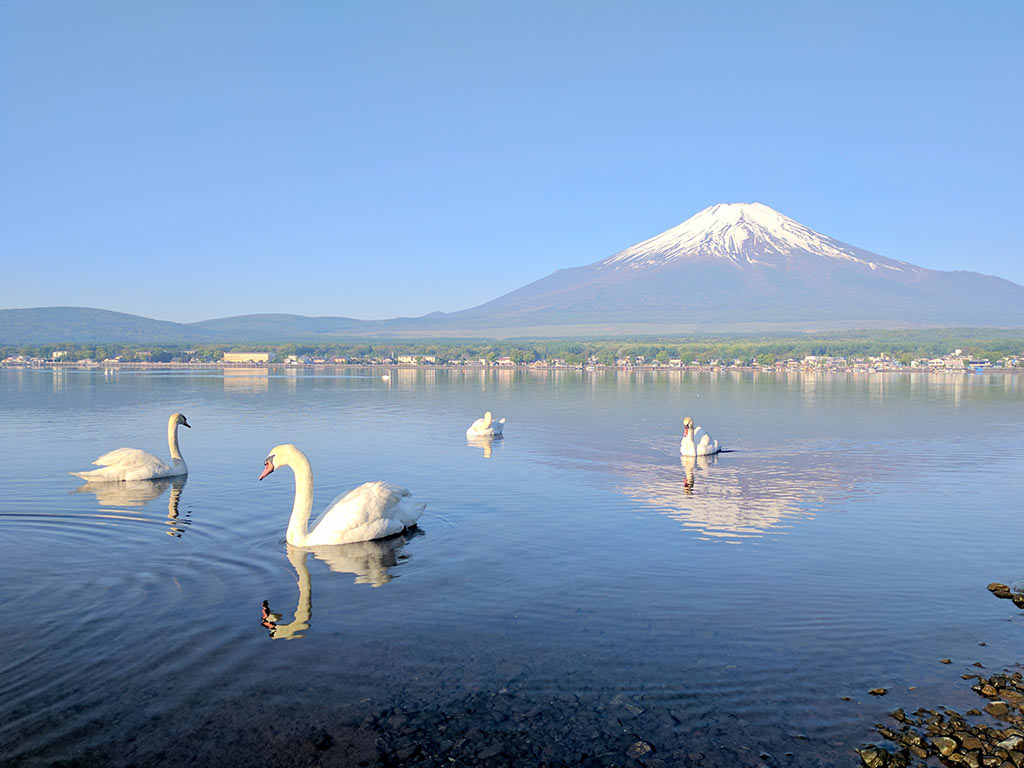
[(95, 475)]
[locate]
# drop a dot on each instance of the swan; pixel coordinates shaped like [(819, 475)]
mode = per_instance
[(134, 464), (486, 426), (691, 446), (371, 511)]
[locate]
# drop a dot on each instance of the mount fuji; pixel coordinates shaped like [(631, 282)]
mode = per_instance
[(733, 267), (736, 265)]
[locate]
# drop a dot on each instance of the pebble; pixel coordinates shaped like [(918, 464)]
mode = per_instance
[(639, 749)]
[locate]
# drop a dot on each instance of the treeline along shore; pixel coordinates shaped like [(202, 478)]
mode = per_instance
[(918, 349)]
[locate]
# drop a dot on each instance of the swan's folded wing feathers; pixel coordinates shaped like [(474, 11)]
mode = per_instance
[(366, 502), (372, 511), (126, 464), (126, 456)]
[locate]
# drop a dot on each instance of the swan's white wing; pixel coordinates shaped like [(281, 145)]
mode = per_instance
[(371, 511), (127, 464), (707, 445), (127, 457)]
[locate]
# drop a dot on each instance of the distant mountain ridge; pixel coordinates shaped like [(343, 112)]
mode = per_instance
[(731, 266), (85, 325)]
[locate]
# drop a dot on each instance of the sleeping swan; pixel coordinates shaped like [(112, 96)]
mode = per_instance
[(134, 464), (486, 426), (371, 511), (691, 446)]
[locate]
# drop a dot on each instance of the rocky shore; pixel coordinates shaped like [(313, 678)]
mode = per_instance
[(990, 737)]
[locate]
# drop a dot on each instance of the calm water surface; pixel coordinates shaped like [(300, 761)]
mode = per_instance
[(573, 589)]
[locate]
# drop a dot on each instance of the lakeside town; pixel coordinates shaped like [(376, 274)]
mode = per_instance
[(953, 362)]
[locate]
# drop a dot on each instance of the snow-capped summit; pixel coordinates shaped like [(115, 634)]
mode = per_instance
[(744, 234)]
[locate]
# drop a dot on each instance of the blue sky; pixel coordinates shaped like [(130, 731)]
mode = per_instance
[(191, 160)]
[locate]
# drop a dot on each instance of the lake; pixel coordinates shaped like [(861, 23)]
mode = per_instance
[(575, 592)]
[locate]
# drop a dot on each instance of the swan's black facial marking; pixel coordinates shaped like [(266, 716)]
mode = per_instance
[(184, 422)]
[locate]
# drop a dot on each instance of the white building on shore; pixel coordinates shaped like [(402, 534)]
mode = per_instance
[(248, 357)]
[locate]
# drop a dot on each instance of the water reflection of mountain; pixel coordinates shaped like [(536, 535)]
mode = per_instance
[(730, 497), (370, 561), (139, 493)]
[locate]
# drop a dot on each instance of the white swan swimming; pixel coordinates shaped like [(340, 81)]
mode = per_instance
[(371, 511), (135, 464), (486, 426), (691, 446)]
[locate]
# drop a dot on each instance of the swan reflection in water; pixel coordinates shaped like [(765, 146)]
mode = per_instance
[(734, 499), (370, 561), (690, 463), (138, 493), (485, 442)]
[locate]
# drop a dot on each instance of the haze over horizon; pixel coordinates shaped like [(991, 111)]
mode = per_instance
[(381, 161)]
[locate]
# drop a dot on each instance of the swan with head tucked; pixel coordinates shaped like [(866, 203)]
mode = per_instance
[(134, 464), (690, 445), (486, 426), (374, 510)]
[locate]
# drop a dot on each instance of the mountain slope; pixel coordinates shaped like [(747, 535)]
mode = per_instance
[(746, 263), (84, 325)]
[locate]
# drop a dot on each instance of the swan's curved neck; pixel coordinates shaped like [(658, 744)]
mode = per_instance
[(172, 440), (303, 505)]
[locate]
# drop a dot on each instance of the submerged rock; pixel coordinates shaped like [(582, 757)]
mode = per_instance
[(997, 708), (639, 749)]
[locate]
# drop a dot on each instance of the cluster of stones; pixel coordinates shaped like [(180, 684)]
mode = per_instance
[(950, 737), (1004, 592)]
